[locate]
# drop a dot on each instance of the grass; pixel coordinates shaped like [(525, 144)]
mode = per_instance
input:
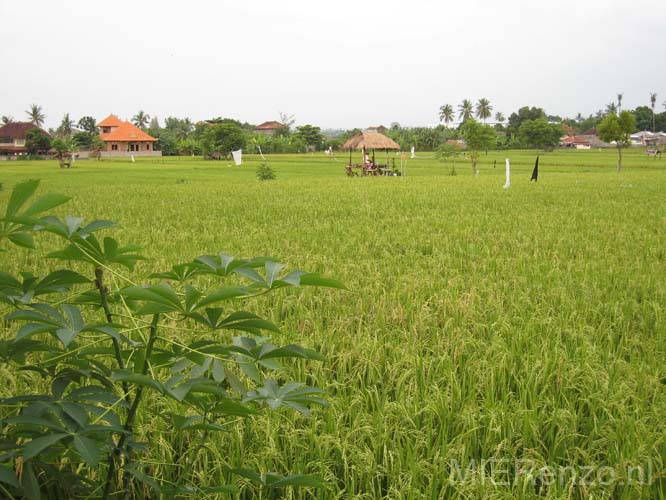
[(481, 323)]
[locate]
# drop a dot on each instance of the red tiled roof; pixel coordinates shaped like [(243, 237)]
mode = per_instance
[(16, 130), (110, 121), (269, 126), (574, 140), (126, 132)]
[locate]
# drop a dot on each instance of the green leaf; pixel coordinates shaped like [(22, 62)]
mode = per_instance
[(30, 483), (224, 293), (272, 271), (138, 379), (89, 450), (8, 476), (22, 239), (20, 194), (161, 298), (314, 279), (36, 446), (45, 203), (291, 351)]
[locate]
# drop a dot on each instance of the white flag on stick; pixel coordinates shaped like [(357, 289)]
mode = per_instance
[(413, 155), (238, 156), (507, 184)]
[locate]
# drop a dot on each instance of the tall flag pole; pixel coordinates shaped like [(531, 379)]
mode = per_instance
[(535, 172), (507, 184)]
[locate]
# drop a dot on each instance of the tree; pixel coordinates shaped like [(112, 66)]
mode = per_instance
[(619, 102), (141, 119), (225, 138), (540, 134), (287, 122), (499, 117), (449, 151), (36, 115), (63, 148), (446, 114), (483, 109), (525, 113), (310, 135), (617, 129), (465, 110), (611, 109), (653, 101), (89, 125), (66, 127), (478, 137), (37, 141), (6, 119)]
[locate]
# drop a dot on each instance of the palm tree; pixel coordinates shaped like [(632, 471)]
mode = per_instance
[(66, 127), (36, 115), (7, 119), (579, 117), (619, 102), (141, 119), (653, 101), (611, 109), (465, 110), (499, 117), (446, 114), (483, 109)]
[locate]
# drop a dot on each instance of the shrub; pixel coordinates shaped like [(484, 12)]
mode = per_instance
[(265, 173), (87, 348)]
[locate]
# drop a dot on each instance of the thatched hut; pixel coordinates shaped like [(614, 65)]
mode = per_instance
[(366, 141)]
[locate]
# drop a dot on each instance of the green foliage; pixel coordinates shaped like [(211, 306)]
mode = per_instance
[(37, 141), (101, 365), (618, 129), (310, 135), (448, 152), (522, 115), (265, 173), (225, 138), (478, 137), (540, 134)]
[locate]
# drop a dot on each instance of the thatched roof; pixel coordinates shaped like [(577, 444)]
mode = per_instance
[(370, 140)]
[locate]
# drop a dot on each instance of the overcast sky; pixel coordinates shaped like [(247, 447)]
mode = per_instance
[(333, 64)]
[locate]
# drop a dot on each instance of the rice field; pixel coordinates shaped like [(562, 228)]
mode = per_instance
[(483, 328)]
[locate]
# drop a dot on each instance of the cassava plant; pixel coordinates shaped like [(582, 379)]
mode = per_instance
[(90, 350)]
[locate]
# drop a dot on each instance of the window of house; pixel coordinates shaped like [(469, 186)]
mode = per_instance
[(148, 147), (114, 147)]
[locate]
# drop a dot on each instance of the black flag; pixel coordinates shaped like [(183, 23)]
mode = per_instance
[(494, 163), (535, 172)]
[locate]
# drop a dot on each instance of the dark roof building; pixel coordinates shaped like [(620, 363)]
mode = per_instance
[(12, 137)]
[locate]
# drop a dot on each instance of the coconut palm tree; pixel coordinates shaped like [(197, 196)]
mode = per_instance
[(36, 115), (499, 117), (141, 119), (653, 101), (483, 109), (465, 110), (446, 114), (611, 109), (619, 103), (7, 119), (66, 127)]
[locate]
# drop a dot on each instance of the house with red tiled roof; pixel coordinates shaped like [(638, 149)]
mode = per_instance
[(269, 128), (12, 137), (122, 138)]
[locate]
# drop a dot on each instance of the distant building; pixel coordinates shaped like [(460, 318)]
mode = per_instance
[(381, 129), (269, 128), (647, 138), (571, 141), (122, 138), (12, 137)]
